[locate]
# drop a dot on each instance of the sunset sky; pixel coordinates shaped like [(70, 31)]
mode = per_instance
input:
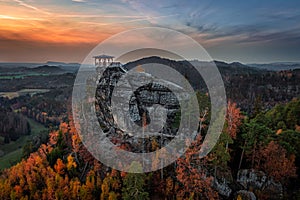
[(66, 30)]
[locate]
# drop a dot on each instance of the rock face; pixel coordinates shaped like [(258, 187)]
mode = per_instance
[(221, 185), (126, 101), (223, 181), (258, 181), (103, 95), (251, 178)]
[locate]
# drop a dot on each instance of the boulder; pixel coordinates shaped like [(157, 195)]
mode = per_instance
[(222, 186), (260, 183), (251, 178), (223, 182)]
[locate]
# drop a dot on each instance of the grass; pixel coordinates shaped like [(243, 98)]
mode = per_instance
[(12, 95), (9, 95), (20, 76), (1, 140), (13, 150), (10, 159)]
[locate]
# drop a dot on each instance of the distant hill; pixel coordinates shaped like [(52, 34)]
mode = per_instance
[(188, 70), (69, 67), (45, 69), (246, 85), (278, 66), (185, 66), (243, 83), (17, 65), (237, 68)]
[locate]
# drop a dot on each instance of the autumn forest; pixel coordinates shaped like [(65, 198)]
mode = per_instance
[(257, 154)]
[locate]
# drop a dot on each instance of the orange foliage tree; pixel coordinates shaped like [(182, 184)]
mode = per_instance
[(196, 184), (233, 119), (273, 159)]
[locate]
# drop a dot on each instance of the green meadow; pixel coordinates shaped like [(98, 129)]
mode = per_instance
[(12, 152)]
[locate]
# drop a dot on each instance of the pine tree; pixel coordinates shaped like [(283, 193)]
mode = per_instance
[(134, 184)]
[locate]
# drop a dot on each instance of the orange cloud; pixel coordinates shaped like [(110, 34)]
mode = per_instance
[(35, 31), (22, 21)]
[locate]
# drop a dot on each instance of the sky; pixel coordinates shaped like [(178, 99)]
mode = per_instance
[(67, 30)]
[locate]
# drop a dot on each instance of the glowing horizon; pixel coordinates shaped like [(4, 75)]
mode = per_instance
[(38, 31)]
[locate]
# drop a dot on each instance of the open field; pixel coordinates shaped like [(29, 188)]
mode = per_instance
[(22, 92), (20, 76), (13, 150)]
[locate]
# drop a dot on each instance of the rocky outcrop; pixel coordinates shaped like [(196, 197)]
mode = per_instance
[(126, 100), (250, 185), (222, 186), (223, 182), (251, 178), (260, 183)]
